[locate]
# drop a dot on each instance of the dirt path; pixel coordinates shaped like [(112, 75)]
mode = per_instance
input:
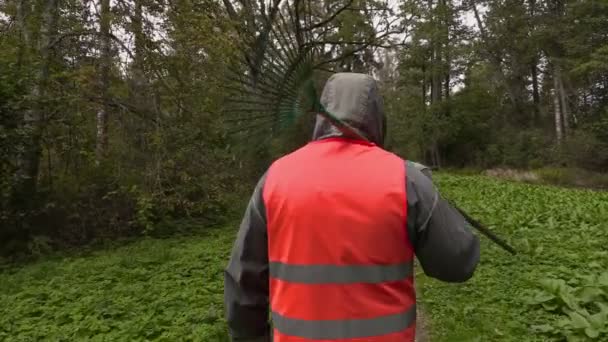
[(422, 326), (422, 322)]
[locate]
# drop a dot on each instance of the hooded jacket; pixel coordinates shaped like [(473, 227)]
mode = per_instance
[(438, 235)]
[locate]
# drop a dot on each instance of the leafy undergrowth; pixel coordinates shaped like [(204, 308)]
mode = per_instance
[(553, 290), (171, 290), (162, 290)]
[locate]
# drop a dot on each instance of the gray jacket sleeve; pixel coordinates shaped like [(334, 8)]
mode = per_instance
[(246, 276), (443, 241)]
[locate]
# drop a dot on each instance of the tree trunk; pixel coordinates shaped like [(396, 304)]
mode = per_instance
[(535, 93), (29, 160), (436, 157), (496, 59), (138, 80), (563, 102), (23, 8), (557, 110), (435, 57), (447, 66), (445, 29), (138, 34), (534, 68), (436, 75), (103, 111), (424, 85)]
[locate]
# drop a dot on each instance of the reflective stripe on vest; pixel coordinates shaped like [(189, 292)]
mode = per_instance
[(340, 261), (342, 329), (331, 274)]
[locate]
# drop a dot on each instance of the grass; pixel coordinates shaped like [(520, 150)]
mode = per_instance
[(565, 177), (559, 234), (172, 289), (573, 177), (162, 290)]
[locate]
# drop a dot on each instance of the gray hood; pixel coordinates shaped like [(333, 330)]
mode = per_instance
[(355, 99)]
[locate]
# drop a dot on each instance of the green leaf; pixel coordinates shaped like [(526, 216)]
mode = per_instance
[(598, 320), (603, 308), (569, 300), (603, 279), (575, 338), (554, 286), (550, 306), (540, 297), (563, 322), (591, 332), (544, 328), (590, 294), (578, 321)]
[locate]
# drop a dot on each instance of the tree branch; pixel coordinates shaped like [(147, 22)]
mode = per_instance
[(330, 18)]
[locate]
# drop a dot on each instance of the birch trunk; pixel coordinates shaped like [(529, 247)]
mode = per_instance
[(103, 111), (557, 111), (563, 103), (535, 93), (21, 22), (138, 82), (29, 160)]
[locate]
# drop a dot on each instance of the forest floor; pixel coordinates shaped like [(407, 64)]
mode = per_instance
[(172, 289)]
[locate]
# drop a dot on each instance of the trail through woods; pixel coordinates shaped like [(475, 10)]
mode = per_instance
[(422, 325)]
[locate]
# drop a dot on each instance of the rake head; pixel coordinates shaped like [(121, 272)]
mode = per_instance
[(273, 83)]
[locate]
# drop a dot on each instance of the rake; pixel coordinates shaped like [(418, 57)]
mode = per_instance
[(273, 84)]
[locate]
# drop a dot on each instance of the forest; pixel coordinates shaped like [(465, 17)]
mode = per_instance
[(117, 152)]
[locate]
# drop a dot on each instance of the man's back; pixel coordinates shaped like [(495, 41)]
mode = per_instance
[(336, 222), (339, 181), (329, 235)]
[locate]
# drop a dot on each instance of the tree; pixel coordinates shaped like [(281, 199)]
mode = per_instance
[(105, 24)]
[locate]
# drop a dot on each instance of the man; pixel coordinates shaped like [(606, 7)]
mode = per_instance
[(327, 242)]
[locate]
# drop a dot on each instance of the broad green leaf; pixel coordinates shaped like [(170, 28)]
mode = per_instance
[(592, 332), (575, 337), (543, 328), (569, 300), (603, 308), (540, 297), (598, 320), (550, 306), (603, 279), (578, 321), (554, 286), (590, 294), (563, 322)]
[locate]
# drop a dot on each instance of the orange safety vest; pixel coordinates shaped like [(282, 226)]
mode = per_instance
[(340, 260)]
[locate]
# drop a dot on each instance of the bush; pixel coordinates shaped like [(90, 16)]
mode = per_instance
[(585, 150), (573, 177), (97, 203)]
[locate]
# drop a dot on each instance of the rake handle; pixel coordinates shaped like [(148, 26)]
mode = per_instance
[(485, 231), (347, 129)]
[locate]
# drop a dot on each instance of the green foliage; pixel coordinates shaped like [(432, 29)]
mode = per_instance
[(166, 155), (578, 306), (172, 289), (573, 177), (481, 93), (455, 95), (161, 290), (558, 233)]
